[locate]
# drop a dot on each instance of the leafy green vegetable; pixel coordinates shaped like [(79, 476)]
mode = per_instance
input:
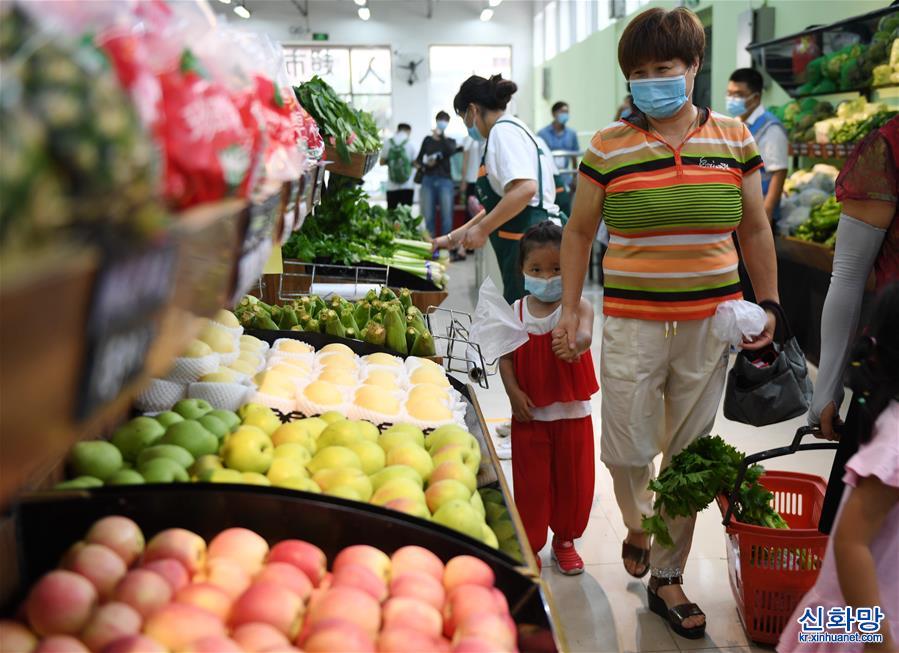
[(821, 226)]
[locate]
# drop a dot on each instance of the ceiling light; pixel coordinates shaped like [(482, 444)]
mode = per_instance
[(242, 11), (361, 3), (364, 13), (494, 3), (487, 14), (225, 2)]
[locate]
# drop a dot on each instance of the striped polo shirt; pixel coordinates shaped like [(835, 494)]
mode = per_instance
[(670, 215)]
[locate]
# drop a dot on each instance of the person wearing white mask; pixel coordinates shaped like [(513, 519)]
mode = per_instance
[(398, 155), (436, 178)]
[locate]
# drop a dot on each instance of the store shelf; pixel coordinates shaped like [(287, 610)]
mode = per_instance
[(822, 150)]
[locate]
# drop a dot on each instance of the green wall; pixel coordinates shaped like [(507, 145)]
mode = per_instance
[(587, 75)]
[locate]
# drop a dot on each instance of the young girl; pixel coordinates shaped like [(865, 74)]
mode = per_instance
[(552, 430), (861, 565)]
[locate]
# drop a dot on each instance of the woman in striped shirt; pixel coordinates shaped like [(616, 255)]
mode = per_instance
[(672, 182)]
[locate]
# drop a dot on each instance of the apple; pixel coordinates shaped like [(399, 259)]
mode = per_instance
[(110, 622), (171, 570), (307, 557), (248, 449), (254, 478), (467, 570), (207, 596), (406, 640), (340, 434), (205, 465), (15, 637), (193, 436), (79, 483), (413, 507), (460, 516), (361, 578), (184, 546), (136, 435), (226, 574), (120, 534), (474, 645), (214, 644), (300, 432), (97, 458), (405, 612), (443, 492), (451, 434), (167, 418), (287, 575), (388, 440), (368, 430), (371, 455), (414, 558), (60, 603), (191, 409), (500, 630), (221, 475), (399, 488), (135, 644), (100, 565), (466, 600), (269, 603), (143, 590), (284, 468), (412, 433), (301, 483), (365, 555), (467, 455), (340, 637), (176, 625), (60, 644), (505, 529), (242, 545), (457, 471), (334, 458), (173, 452), (332, 416), (495, 512), (412, 455), (394, 472), (420, 586), (355, 479), (164, 470), (215, 426), (266, 420), (256, 637), (227, 417), (478, 505), (349, 604), (488, 537), (293, 451), (125, 477)]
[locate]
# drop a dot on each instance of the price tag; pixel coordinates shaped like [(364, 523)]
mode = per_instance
[(128, 293)]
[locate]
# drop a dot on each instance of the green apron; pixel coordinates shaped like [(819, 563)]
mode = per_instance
[(505, 239)]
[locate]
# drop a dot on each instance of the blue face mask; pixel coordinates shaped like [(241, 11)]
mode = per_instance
[(442, 125), (546, 290), (736, 106), (562, 118), (660, 97), (475, 134), (627, 113)]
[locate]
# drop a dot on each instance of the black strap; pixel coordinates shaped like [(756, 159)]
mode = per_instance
[(782, 327), (684, 611)]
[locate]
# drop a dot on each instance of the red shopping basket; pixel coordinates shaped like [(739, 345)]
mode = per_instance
[(771, 569)]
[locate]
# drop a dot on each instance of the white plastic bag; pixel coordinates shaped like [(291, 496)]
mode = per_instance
[(495, 327), (736, 319)]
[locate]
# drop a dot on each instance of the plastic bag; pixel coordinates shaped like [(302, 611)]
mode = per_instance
[(737, 319), (495, 327)]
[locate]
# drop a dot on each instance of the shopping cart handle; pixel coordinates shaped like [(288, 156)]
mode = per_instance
[(748, 461)]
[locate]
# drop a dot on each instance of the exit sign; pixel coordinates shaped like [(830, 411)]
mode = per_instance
[(319, 36)]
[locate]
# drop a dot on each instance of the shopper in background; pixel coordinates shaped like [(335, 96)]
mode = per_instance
[(515, 185), (867, 239), (398, 155), (861, 563), (671, 182), (437, 188), (552, 427), (559, 136)]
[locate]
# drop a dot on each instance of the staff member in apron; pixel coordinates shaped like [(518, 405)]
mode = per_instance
[(515, 184)]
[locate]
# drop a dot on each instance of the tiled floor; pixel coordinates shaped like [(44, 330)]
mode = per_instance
[(605, 609)]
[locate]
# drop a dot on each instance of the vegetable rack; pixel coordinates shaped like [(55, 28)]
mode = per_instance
[(771, 569), (451, 331), (325, 279)]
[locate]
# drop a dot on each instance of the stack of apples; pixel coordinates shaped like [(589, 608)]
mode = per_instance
[(113, 594), (500, 522)]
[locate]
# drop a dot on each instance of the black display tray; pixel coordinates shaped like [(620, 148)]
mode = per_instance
[(396, 278), (48, 523)]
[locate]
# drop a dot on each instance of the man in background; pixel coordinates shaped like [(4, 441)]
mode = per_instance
[(398, 155), (559, 136)]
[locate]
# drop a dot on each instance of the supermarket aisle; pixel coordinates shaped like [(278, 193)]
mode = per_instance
[(604, 609)]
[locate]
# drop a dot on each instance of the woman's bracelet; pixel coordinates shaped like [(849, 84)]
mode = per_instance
[(449, 238)]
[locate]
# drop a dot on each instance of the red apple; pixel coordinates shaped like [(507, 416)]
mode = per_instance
[(416, 558), (110, 622), (365, 555), (173, 571), (412, 614), (241, 545), (187, 548), (344, 637), (60, 603), (214, 644), (99, 564), (474, 645), (226, 574), (255, 637), (210, 597), (467, 570), (119, 534), (283, 649), (287, 575), (143, 590), (405, 640), (419, 585), (60, 644), (349, 604), (362, 578), (176, 625), (269, 603), (135, 644), (501, 603), (499, 630), (307, 557), (465, 601), (16, 638)]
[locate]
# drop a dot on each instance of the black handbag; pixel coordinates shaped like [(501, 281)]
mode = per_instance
[(772, 385)]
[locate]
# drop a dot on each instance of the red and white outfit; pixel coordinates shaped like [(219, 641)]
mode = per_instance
[(552, 455)]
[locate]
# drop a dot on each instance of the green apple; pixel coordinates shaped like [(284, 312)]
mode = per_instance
[(495, 512), (197, 349), (252, 478), (125, 477), (168, 418), (296, 433), (203, 464), (505, 530), (222, 476), (344, 492), (339, 434), (192, 408), (412, 455), (164, 470), (450, 434), (398, 488), (456, 470), (368, 430), (489, 537), (315, 425), (492, 495), (192, 436), (179, 454), (327, 479), (97, 458), (284, 468), (303, 484), (512, 549), (249, 408), (372, 456), (471, 458), (478, 505), (443, 492), (400, 434), (394, 472), (332, 416), (248, 449), (229, 418), (266, 420), (79, 483), (460, 516), (215, 426), (334, 457), (137, 435), (293, 451)]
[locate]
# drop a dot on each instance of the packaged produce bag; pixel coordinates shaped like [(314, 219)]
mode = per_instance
[(495, 326)]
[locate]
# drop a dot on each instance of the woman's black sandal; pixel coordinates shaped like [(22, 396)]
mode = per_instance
[(677, 615), (632, 553)]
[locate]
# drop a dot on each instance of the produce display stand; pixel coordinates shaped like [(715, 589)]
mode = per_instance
[(357, 167)]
